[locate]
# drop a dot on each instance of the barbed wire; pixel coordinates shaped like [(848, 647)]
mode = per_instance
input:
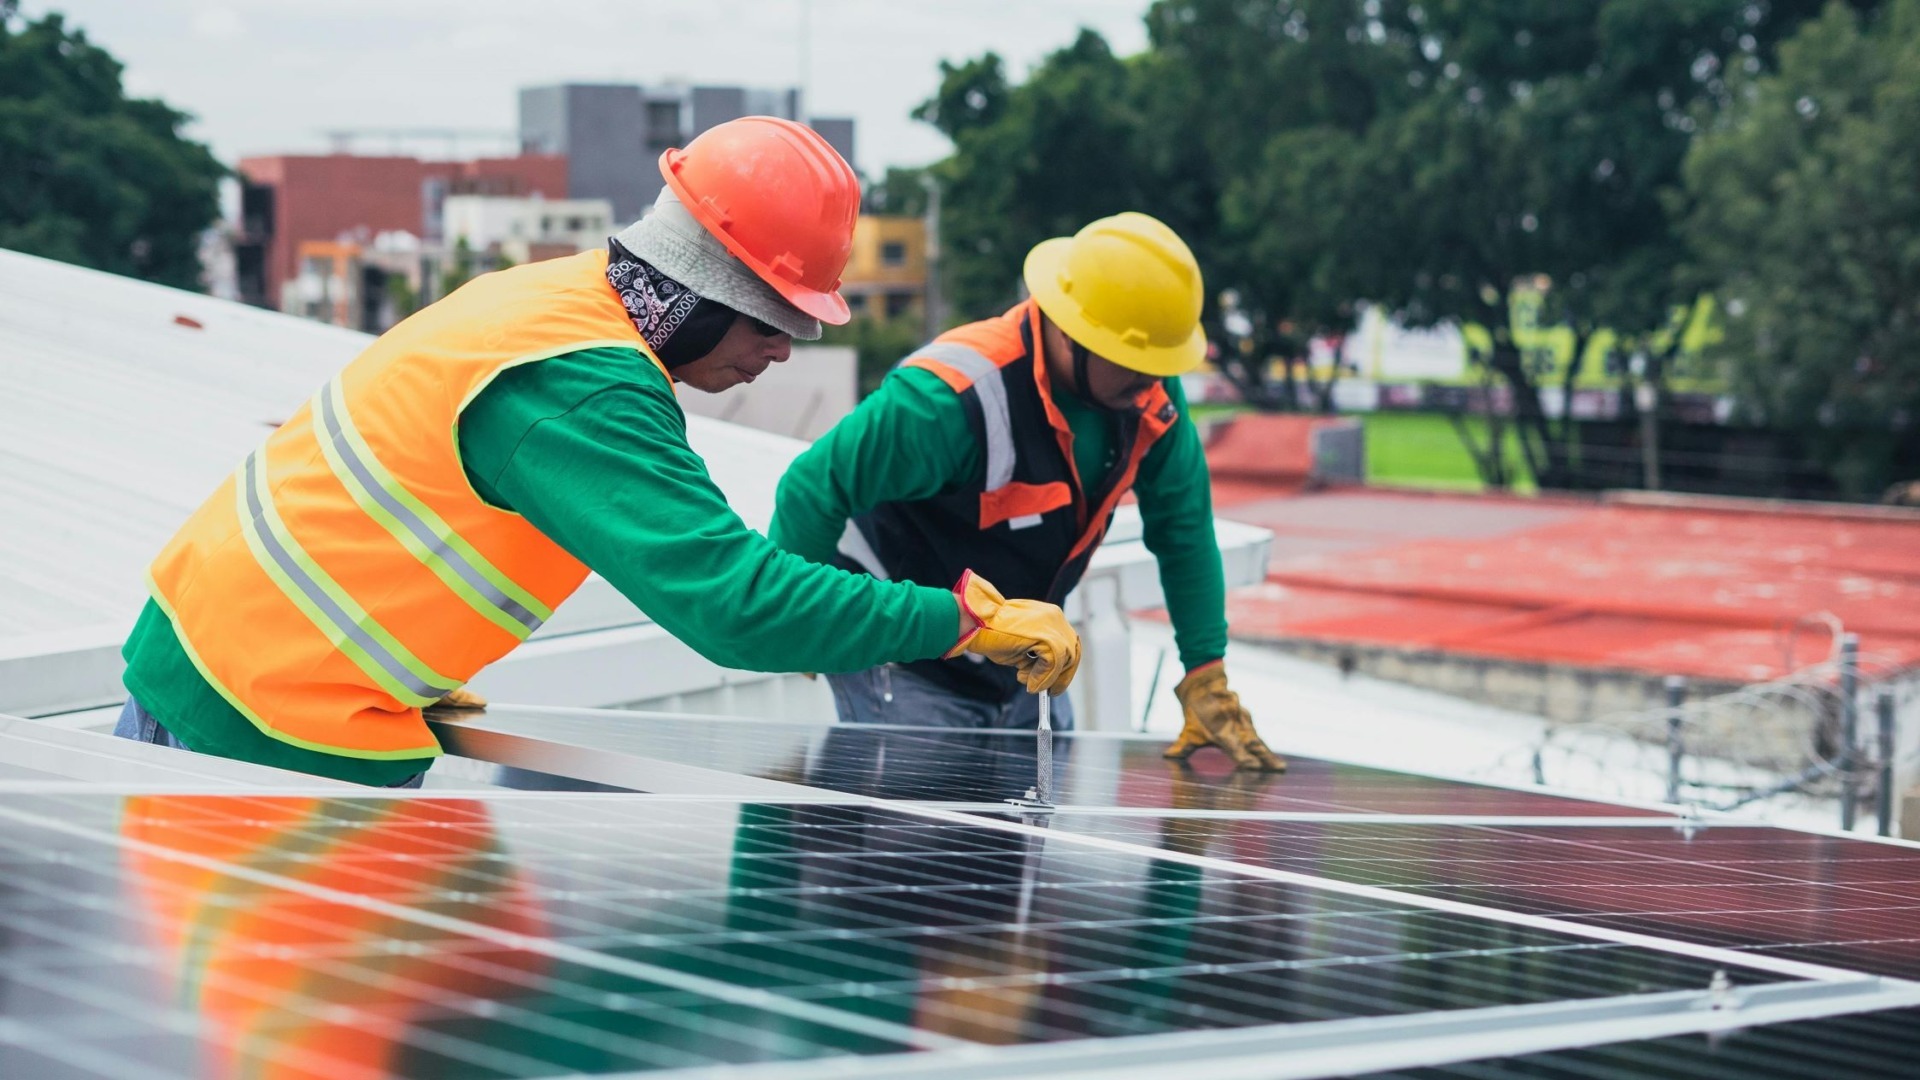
[(1779, 741)]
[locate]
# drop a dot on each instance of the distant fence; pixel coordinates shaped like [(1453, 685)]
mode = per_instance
[(1842, 735)]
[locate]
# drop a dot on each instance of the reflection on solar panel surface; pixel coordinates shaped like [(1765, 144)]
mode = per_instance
[(1870, 1046), (1824, 899), (990, 766), (601, 933)]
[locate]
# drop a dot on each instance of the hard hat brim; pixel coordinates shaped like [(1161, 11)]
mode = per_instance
[(1042, 275)]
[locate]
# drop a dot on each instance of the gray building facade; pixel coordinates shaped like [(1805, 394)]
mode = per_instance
[(613, 134)]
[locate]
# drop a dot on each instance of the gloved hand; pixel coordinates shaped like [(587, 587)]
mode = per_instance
[(1031, 635), (1215, 718), (461, 700)]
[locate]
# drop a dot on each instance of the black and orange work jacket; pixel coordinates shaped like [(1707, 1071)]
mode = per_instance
[(1029, 522)]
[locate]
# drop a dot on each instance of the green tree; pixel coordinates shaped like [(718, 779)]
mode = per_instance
[(1805, 217), (89, 175), (1032, 161), (1540, 142), (900, 193), (460, 269)]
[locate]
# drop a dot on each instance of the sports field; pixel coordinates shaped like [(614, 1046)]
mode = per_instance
[(1423, 450)]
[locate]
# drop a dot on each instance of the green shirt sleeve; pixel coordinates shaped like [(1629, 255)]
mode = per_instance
[(591, 448), (1176, 516), (908, 440)]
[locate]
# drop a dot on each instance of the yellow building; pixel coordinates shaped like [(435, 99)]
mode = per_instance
[(886, 276)]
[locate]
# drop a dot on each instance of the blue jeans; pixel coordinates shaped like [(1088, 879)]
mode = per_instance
[(139, 725), (890, 694)]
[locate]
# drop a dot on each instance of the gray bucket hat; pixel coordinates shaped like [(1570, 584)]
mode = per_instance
[(679, 247)]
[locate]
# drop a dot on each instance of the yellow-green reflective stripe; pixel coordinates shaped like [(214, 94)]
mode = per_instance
[(422, 754), (421, 531), (328, 606)]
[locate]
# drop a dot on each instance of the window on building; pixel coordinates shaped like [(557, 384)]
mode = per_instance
[(663, 125), (575, 224), (857, 303), (893, 253), (899, 303)]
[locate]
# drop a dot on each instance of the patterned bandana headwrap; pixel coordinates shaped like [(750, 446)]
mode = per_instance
[(678, 324)]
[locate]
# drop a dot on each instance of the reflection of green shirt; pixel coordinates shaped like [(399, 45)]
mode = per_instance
[(591, 447), (910, 440)]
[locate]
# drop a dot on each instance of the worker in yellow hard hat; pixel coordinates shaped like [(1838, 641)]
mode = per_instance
[(1004, 446)]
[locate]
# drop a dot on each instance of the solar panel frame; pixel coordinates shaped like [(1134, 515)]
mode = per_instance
[(1880, 1045), (647, 751)]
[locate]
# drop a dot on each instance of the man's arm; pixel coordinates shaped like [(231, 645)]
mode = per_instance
[(1176, 516), (591, 449), (908, 440)]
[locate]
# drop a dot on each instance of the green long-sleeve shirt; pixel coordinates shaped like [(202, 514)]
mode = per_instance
[(910, 440), (591, 448)]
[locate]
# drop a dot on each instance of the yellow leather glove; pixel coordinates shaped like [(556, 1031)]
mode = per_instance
[(1031, 635), (1215, 718), (461, 700)]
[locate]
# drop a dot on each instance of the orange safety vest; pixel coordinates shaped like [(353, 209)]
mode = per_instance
[(347, 574)]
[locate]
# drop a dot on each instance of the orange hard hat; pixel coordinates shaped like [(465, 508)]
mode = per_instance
[(780, 199)]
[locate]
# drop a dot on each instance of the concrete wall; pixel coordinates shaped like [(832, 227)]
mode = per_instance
[(838, 131), (543, 120), (1562, 694), (602, 129)]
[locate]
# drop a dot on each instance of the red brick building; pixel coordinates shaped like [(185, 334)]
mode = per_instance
[(287, 199)]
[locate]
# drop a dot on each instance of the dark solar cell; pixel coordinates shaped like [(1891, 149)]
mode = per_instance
[(1823, 899), (990, 766), (1868, 1046), (601, 933)]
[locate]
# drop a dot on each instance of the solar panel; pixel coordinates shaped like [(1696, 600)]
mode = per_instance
[(925, 764), (1823, 899), (796, 900), (539, 935), (1868, 1046)]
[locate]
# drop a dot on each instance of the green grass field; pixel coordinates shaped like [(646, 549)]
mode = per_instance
[(1423, 450)]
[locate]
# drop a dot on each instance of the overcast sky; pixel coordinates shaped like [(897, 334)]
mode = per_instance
[(270, 76)]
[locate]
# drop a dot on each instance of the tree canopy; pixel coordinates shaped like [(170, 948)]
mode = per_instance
[(1428, 156), (1805, 219), (89, 175)]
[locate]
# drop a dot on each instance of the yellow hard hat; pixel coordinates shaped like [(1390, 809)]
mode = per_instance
[(1128, 289)]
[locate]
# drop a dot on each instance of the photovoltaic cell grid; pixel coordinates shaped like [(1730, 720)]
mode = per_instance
[(1822, 899), (934, 765), (1867, 1046), (179, 935)]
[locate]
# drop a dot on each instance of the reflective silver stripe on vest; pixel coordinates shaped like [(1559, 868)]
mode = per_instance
[(453, 560), (853, 544), (993, 404), (318, 597)]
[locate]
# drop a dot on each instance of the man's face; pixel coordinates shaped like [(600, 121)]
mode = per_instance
[(1109, 385), (746, 351), (1112, 386)]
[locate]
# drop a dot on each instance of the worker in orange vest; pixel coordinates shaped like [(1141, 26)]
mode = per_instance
[(1004, 446), (437, 499)]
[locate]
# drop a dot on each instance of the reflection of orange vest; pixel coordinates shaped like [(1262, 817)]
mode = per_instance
[(347, 574), (295, 985)]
